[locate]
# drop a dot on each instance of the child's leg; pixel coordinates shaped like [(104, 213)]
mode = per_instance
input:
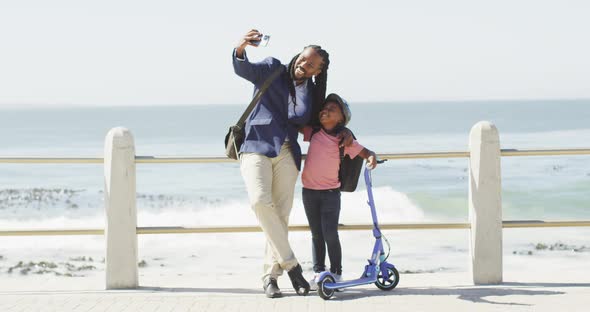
[(312, 204), (330, 216)]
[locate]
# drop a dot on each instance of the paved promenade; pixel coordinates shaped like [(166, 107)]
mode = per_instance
[(416, 292)]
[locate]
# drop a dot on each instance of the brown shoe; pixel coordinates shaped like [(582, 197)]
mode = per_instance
[(300, 285), (271, 288)]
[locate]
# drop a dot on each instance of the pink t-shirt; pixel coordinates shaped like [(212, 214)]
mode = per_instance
[(323, 160)]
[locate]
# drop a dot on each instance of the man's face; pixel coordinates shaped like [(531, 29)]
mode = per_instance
[(308, 64), (331, 114)]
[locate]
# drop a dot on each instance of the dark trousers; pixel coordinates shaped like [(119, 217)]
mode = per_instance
[(323, 211)]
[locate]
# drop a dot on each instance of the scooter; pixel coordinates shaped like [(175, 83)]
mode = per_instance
[(378, 271)]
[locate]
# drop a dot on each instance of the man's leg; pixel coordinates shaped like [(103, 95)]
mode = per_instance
[(283, 187), (285, 176), (257, 171), (271, 267)]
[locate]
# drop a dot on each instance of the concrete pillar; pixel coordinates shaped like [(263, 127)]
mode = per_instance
[(485, 204), (121, 214)]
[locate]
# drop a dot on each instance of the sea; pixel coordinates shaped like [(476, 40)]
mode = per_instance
[(44, 196)]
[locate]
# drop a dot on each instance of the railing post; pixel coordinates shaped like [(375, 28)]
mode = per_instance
[(121, 214), (485, 204)]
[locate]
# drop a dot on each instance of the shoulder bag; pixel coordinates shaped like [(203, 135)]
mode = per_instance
[(236, 134)]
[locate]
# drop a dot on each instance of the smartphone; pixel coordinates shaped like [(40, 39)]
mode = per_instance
[(263, 42)]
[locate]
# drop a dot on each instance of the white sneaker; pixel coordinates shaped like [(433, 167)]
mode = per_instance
[(313, 284), (338, 279)]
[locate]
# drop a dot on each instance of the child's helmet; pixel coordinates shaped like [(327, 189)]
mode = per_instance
[(333, 97)]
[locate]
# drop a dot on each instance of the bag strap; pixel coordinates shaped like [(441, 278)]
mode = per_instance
[(341, 148), (341, 152), (261, 91)]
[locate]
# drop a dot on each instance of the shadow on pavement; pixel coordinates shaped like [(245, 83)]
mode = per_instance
[(287, 292), (202, 290), (472, 294), (476, 294), (547, 284)]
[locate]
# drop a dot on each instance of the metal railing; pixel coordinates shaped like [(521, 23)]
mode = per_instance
[(244, 229), (220, 159), (296, 228)]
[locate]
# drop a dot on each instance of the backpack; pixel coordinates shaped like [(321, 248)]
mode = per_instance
[(350, 169)]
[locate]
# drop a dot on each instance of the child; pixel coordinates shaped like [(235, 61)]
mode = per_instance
[(321, 187)]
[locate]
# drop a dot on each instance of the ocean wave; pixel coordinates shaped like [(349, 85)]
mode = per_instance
[(391, 206), (178, 210), (37, 198), (544, 248)]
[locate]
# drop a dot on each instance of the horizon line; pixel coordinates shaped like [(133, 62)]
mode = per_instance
[(408, 101)]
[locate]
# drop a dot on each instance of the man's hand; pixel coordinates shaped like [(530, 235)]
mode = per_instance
[(248, 39)]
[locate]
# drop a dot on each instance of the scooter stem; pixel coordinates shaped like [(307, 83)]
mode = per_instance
[(371, 202)]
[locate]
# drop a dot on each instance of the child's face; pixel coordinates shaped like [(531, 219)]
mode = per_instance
[(331, 115)]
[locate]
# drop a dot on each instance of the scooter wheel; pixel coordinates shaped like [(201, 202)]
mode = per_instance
[(388, 282), (324, 292)]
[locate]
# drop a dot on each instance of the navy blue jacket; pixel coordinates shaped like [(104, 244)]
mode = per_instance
[(269, 123)]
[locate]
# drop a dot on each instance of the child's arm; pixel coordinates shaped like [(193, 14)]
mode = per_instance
[(370, 157)]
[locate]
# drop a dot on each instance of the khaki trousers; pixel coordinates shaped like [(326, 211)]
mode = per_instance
[(270, 183)]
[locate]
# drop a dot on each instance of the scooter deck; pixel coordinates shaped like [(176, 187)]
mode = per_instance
[(356, 282)]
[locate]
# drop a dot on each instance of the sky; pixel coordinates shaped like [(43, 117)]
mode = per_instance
[(179, 52)]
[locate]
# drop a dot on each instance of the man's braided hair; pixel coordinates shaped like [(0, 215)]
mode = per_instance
[(319, 91)]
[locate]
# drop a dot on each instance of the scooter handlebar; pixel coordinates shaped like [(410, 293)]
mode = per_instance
[(379, 161)]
